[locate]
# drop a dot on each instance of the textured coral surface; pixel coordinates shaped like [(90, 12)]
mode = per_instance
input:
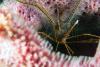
[(27, 49), (21, 46)]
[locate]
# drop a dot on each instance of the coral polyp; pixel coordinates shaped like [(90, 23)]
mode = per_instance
[(30, 15)]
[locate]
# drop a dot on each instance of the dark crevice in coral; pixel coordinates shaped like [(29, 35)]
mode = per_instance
[(88, 24), (1, 1)]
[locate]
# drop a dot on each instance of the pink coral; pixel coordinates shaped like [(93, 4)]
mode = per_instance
[(25, 48), (66, 7), (30, 15)]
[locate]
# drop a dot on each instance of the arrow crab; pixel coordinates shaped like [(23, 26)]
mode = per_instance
[(61, 31)]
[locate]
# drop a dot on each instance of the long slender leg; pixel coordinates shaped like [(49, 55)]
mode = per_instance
[(67, 35), (41, 9), (46, 35), (84, 35)]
